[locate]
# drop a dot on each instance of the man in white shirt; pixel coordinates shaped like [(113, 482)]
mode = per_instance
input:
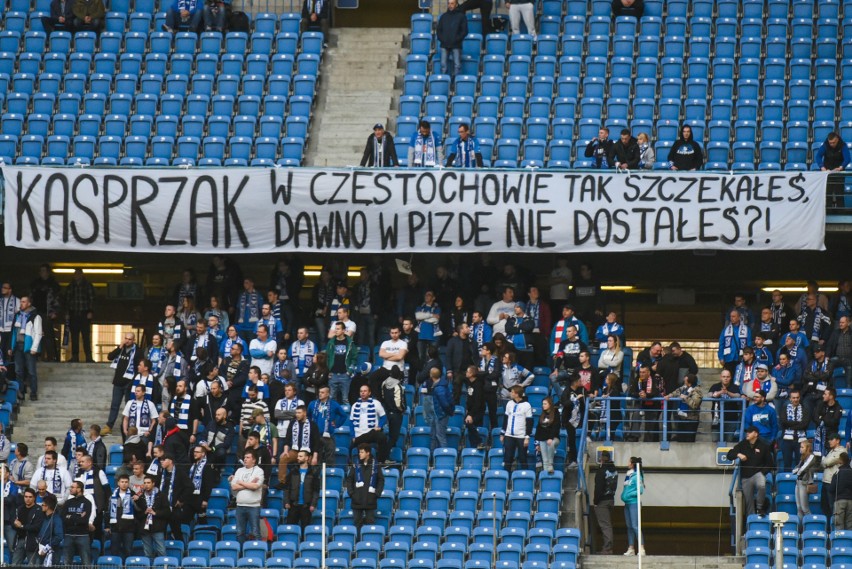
[(393, 353), (139, 412), (517, 426), (263, 350), (348, 323), (57, 479), (51, 444), (501, 311), (247, 487)]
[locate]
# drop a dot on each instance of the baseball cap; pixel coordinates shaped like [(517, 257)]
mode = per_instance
[(763, 366), (378, 125)]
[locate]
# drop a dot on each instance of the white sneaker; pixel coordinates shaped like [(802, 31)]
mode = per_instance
[(642, 550), (630, 551), (572, 465)]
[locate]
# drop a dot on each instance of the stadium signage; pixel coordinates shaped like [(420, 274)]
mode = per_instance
[(303, 209)]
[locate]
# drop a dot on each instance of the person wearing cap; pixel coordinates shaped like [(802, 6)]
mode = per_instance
[(606, 483), (762, 380), (827, 418), (342, 297), (342, 354), (756, 461), (793, 421), (380, 151), (464, 151), (451, 31), (426, 149), (762, 416), (830, 463), (816, 378)]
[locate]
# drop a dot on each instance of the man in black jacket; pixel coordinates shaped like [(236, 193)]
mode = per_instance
[(380, 151), (452, 29), (61, 19), (202, 478), (841, 489), (235, 370), (315, 16), (96, 447), (756, 461), (77, 517), (600, 150), (177, 489), (124, 358), (365, 483), (220, 436), (27, 524), (461, 353), (626, 151), (606, 482), (475, 411), (303, 487), (152, 508)]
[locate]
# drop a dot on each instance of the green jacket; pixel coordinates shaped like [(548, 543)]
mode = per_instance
[(351, 355)]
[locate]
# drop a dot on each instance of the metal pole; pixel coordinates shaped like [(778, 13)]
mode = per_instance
[(322, 560), (639, 546), (494, 544), (3, 514), (779, 545)]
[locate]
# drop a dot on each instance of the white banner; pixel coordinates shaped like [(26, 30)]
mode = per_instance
[(257, 210)]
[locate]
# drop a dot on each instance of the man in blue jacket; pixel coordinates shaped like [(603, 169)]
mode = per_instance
[(442, 396), (452, 28), (762, 416), (184, 15)]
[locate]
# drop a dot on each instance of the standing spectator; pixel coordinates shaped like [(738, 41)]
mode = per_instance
[(315, 17), (44, 292), (380, 151), (734, 338), (22, 467), (634, 486), (842, 492), (223, 280), (461, 353), (57, 479), (547, 433), (841, 303), (827, 419), (153, 507), (303, 488), (26, 345), (51, 533), (9, 306), (830, 463), (501, 311), (561, 278), (327, 415), (793, 420), (428, 316), (247, 486), (96, 447), (367, 300), (184, 409), (451, 31), (248, 310), (426, 149), (442, 398), (342, 354), (302, 354), (475, 406), (839, 349), (522, 9), (606, 483), (125, 358), (393, 399), (78, 517), (202, 479), (686, 154), (139, 413), (11, 497), (600, 150), (625, 152), (366, 423), (263, 349), (364, 484), (28, 520), (633, 8), (61, 18), (184, 16), (517, 427), (762, 416), (74, 439), (220, 436), (122, 519), (464, 152), (647, 156), (303, 435), (89, 15), (485, 7), (610, 327), (79, 302), (804, 473), (756, 461), (573, 402), (833, 156)]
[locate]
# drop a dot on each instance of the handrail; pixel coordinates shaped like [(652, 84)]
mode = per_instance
[(582, 485), (732, 496)]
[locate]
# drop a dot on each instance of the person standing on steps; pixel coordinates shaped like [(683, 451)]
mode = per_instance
[(79, 302), (606, 483), (380, 151), (125, 358), (630, 496)]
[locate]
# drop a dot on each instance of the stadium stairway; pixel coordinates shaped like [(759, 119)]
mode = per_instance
[(65, 392), (661, 562), (356, 91)]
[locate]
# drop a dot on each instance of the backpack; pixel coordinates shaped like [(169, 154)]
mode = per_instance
[(238, 22), (389, 398)]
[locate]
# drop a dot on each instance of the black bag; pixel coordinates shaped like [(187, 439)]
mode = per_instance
[(238, 22)]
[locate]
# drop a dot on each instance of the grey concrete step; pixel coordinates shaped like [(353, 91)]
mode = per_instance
[(661, 562)]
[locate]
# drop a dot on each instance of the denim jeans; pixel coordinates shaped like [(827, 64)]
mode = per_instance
[(154, 544), (174, 21), (119, 394), (248, 518), (23, 557), (548, 452), (439, 432), (121, 544), (214, 20), (25, 368), (631, 518), (339, 386), (80, 545), (456, 55)]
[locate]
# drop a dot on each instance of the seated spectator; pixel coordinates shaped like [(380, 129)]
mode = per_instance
[(726, 416), (612, 358), (600, 150), (426, 149), (647, 156), (61, 17), (315, 17), (633, 8), (215, 15), (686, 413), (88, 15), (734, 338), (686, 154), (451, 31), (626, 151), (183, 16), (465, 152)]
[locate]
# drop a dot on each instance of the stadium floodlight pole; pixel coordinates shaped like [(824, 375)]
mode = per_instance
[(640, 548), (324, 539)]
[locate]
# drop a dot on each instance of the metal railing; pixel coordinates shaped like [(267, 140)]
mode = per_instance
[(582, 483)]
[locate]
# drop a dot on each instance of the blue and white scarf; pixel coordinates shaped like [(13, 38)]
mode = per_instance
[(131, 362), (3, 441), (272, 324), (7, 314), (140, 413), (89, 482), (742, 338), (465, 153), (794, 414), (74, 440), (147, 382), (278, 369), (480, 335), (149, 502), (171, 485), (819, 319), (369, 408), (226, 346), (157, 355), (248, 307), (126, 506), (196, 473), (534, 312), (286, 405), (154, 467), (317, 6), (359, 476), (200, 342), (57, 480), (301, 435), (322, 415), (425, 153), (180, 411), (302, 355)]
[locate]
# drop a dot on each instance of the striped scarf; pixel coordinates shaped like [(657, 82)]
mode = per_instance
[(57, 480), (278, 371), (301, 435), (180, 411), (425, 153), (302, 355), (794, 414), (126, 506), (197, 471), (558, 335), (200, 342), (149, 502), (534, 312), (359, 476), (378, 151), (369, 409), (465, 153), (140, 413), (131, 362), (147, 382), (89, 482), (7, 314), (171, 484), (322, 415), (157, 356)]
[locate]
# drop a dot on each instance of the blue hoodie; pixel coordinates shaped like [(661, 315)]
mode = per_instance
[(764, 418), (442, 396)]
